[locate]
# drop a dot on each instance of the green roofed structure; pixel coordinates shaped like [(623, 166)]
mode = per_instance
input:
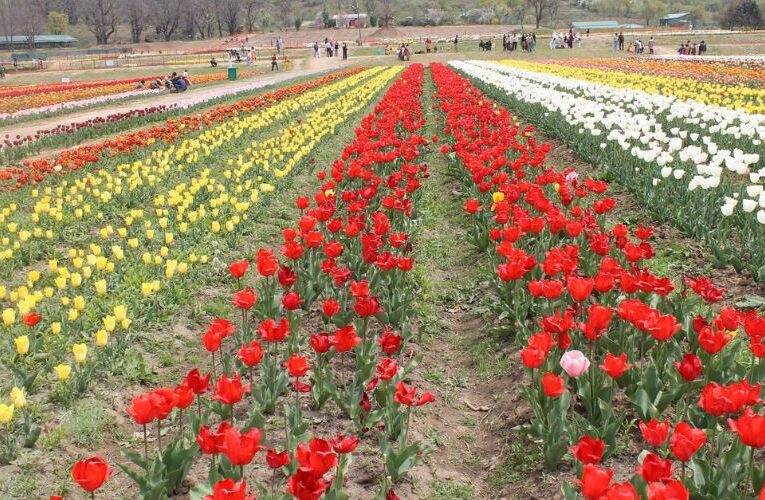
[(39, 41), (596, 25), (676, 19)]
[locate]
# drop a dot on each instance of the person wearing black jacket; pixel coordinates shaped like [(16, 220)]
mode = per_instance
[(621, 41)]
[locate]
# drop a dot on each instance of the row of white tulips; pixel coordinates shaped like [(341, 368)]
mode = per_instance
[(699, 163)]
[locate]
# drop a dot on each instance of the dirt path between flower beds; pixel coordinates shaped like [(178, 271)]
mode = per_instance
[(191, 96)]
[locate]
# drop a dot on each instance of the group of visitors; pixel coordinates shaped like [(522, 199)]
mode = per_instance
[(527, 42), (173, 82), (691, 49), (566, 40), (331, 48)]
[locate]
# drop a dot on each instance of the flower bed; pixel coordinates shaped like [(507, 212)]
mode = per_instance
[(605, 341)]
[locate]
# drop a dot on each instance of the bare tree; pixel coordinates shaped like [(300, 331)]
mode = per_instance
[(71, 8), (167, 15), (7, 23), (136, 13), (101, 17), (229, 12), (386, 15), (543, 8), (371, 8)]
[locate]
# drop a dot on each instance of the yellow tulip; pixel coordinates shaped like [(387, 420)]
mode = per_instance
[(120, 312), (125, 323), (9, 316), (80, 352), (22, 344), (62, 371), (102, 338), (76, 279), (79, 303), (72, 314), (110, 323), (6, 413), (18, 398), (55, 328), (100, 287)]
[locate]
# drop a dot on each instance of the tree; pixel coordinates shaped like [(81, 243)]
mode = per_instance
[(57, 23), (136, 13), (371, 8), (742, 13), (543, 8), (229, 12), (7, 23), (298, 22), (101, 17), (386, 15), (650, 9), (167, 15)]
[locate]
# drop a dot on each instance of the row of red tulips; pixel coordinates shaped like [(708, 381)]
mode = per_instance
[(68, 128), (323, 322), (605, 341)]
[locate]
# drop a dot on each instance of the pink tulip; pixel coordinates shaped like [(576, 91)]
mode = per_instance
[(574, 363)]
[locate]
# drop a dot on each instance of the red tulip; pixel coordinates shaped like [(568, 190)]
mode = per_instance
[(345, 339), (389, 342), (320, 342), (240, 448), (655, 432), (250, 354), (655, 468), (387, 368), (579, 288), (271, 331), (142, 409), (197, 382), (31, 318), (230, 390), (689, 368), (553, 385), (184, 396), (330, 307), (750, 428), (667, 490), (686, 441), (316, 458), (291, 301), (595, 481), (266, 262), (277, 460), (238, 268), (245, 299), (615, 366), (91, 473), (405, 396), (218, 330), (227, 489), (589, 450), (344, 444), (297, 365), (622, 491)]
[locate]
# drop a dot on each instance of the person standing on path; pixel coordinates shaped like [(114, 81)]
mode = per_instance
[(315, 50), (621, 41), (345, 51), (337, 49), (651, 43), (274, 63), (456, 41)]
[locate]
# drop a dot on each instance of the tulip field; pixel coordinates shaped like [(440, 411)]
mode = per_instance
[(382, 283)]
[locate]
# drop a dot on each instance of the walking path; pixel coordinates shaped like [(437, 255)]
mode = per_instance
[(189, 98)]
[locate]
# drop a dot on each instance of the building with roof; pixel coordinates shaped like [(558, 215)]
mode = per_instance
[(39, 41), (676, 19), (601, 25), (594, 25), (350, 20)]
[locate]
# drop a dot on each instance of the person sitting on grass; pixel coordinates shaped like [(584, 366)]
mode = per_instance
[(140, 85), (213, 62), (155, 84)]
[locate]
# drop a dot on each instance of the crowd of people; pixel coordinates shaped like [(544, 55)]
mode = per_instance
[(566, 40), (173, 83), (332, 48), (691, 49), (527, 42)]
